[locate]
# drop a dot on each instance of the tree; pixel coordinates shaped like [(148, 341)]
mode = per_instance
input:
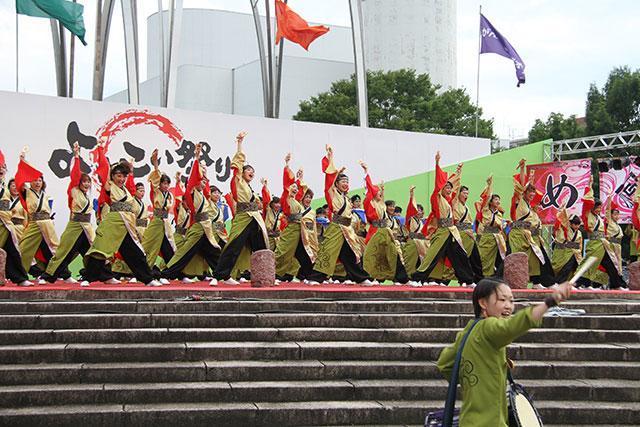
[(556, 127), (614, 108), (400, 100)]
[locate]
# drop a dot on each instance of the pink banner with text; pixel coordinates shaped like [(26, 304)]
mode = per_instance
[(622, 183)]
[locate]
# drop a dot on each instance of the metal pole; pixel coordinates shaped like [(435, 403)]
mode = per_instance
[(269, 58), (478, 76), (174, 46), (358, 55), (17, 59), (128, 19), (279, 76), (103, 24), (261, 54), (72, 54), (163, 66), (57, 38)]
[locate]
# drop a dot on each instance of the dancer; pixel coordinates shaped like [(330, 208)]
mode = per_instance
[(567, 246), (416, 245), (9, 240), (463, 219), (40, 240), (525, 229), (298, 245), (598, 246), (248, 230), (158, 236), (340, 240), (491, 242), (613, 230), (446, 244), (272, 214), (18, 214), (78, 235), (382, 257), (200, 238), (116, 232)]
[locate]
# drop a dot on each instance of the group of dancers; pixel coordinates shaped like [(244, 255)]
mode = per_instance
[(182, 234)]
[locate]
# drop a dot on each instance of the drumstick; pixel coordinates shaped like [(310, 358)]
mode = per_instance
[(588, 263)]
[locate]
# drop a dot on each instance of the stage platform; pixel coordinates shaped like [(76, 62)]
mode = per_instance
[(285, 290)]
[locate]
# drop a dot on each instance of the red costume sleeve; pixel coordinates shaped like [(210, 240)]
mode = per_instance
[(329, 180), (372, 190), (441, 180), (130, 184), (231, 202), (25, 173), (412, 210), (178, 193), (287, 180), (587, 204), (266, 199), (74, 180), (194, 179), (515, 199)]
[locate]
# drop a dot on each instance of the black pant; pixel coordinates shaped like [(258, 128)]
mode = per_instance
[(13, 269), (347, 257), (615, 279), (458, 257), (567, 270), (166, 250), (96, 269), (306, 266), (252, 236), (476, 263), (203, 247), (546, 277), (81, 246), (401, 275)]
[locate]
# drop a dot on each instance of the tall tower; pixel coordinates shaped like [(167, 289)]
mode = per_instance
[(418, 34)]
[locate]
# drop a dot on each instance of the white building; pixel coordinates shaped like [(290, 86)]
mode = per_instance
[(219, 69)]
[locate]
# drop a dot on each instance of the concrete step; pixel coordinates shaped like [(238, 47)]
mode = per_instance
[(200, 291), (393, 412), (288, 320), (278, 305), (293, 391), (127, 335), (281, 370), (294, 350)]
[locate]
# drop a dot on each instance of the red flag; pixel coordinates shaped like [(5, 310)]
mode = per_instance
[(292, 27)]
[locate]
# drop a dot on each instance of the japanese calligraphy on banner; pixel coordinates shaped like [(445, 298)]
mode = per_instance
[(560, 182), (623, 184)]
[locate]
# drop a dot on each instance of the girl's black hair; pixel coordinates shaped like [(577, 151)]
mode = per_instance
[(484, 289), (597, 204), (390, 203), (340, 177), (165, 178), (139, 185), (10, 181), (420, 207), (273, 201), (245, 167), (494, 196), (355, 197), (122, 168), (464, 188), (309, 193), (575, 220), (213, 189)]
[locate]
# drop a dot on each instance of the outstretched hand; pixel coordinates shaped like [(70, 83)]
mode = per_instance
[(240, 136), (412, 189), (438, 157), (263, 181), (329, 149), (76, 149), (490, 179), (363, 165), (287, 159), (300, 174), (154, 158)]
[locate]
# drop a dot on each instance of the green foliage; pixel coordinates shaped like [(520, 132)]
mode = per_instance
[(400, 100), (614, 108), (556, 127)]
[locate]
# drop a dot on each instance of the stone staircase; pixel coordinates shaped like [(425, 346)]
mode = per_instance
[(295, 361)]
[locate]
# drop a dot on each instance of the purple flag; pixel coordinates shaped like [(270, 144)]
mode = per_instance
[(494, 42)]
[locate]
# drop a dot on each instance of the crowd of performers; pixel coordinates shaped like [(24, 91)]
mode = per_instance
[(182, 235)]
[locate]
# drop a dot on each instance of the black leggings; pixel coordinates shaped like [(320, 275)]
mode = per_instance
[(13, 270), (347, 257), (96, 270), (458, 257), (546, 277), (252, 236), (81, 246), (203, 247), (615, 279)]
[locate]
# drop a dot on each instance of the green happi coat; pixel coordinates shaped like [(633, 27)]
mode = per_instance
[(160, 227), (40, 227)]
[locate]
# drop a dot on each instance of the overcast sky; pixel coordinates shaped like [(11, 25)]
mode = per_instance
[(566, 45)]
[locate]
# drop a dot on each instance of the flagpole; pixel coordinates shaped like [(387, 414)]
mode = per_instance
[(17, 68), (478, 75)]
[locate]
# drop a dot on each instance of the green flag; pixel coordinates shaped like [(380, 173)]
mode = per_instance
[(68, 13)]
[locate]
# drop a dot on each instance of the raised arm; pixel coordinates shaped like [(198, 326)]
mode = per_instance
[(194, 178), (440, 182), (588, 203), (412, 208), (481, 204), (154, 176), (74, 174), (266, 196)]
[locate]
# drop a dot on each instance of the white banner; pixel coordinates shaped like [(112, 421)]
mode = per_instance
[(50, 125)]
